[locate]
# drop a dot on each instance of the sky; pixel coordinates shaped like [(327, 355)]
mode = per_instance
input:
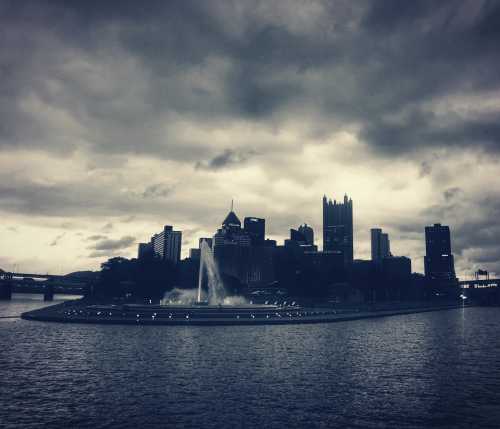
[(119, 117)]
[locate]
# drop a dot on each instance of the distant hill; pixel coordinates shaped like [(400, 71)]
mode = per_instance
[(2, 271), (82, 275)]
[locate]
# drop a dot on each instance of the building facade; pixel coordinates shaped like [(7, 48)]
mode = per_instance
[(308, 233), (439, 261), (167, 244), (256, 229), (145, 250), (380, 245), (338, 227)]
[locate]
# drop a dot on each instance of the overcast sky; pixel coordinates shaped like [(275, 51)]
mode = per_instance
[(119, 117)]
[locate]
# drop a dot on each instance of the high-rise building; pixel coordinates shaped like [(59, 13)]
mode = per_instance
[(298, 242), (439, 262), (338, 227), (296, 235), (195, 253), (380, 245), (236, 257), (231, 232), (308, 233), (144, 250), (256, 229), (167, 244)]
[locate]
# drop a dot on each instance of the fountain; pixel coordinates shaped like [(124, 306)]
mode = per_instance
[(215, 286)]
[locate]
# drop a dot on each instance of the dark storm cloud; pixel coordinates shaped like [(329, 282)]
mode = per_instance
[(157, 190), (227, 158), (110, 244), (120, 79), (393, 57)]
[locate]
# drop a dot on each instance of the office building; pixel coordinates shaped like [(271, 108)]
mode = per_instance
[(380, 245), (231, 233), (308, 233), (338, 227), (167, 244), (439, 262), (145, 250), (256, 229), (195, 253)]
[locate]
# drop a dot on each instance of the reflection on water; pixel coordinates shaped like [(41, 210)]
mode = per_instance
[(22, 302), (438, 369)]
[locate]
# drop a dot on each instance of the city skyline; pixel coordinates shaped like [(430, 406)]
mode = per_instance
[(129, 124), (131, 251)]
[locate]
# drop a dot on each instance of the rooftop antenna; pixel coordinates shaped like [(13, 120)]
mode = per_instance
[(232, 203)]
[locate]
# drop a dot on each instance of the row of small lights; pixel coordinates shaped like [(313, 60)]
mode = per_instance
[(187, 316)]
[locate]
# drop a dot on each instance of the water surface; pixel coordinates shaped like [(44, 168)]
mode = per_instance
[(439, 369)]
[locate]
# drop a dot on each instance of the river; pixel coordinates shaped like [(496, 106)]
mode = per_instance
[(438, 369)]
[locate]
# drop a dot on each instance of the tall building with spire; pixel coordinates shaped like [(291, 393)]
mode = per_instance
[(239, 252), (231, 232), (338, 227)]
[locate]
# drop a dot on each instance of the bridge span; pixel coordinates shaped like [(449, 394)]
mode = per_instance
[(47, 284)]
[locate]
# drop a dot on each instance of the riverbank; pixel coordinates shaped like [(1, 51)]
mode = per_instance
[(83, 312)]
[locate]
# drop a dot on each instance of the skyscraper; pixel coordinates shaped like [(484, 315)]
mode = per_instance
[(231, 232), (167, 244), (439, 261), (338, 227), (256, 228), (296, 235), (380, 245), (144, 250), (308, 233)]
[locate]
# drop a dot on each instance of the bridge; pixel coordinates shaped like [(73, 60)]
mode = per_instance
[(48, 284), (481, 280), (482, 289), (478, 284)]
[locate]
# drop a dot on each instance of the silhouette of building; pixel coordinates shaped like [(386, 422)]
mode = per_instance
[(308, 233), (298, 242), (396, 277), (338, 227), (236, 255), (380, 245), (194, 253), (145, 250), (256, 229), (231, 232), (439, 262), (167, 244), (296, 235)]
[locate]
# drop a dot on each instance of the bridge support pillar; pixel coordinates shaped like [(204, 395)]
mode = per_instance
[(5, 290), (48, 293)]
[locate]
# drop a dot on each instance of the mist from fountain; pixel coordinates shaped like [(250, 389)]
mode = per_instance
[(215, 286)]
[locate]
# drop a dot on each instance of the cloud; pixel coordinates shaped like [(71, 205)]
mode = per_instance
[(110, 244), (336, 66), (158, 190), (227, 158), (96, 237), (107, 227), (451, 193), (56, 240), (146, 115)]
